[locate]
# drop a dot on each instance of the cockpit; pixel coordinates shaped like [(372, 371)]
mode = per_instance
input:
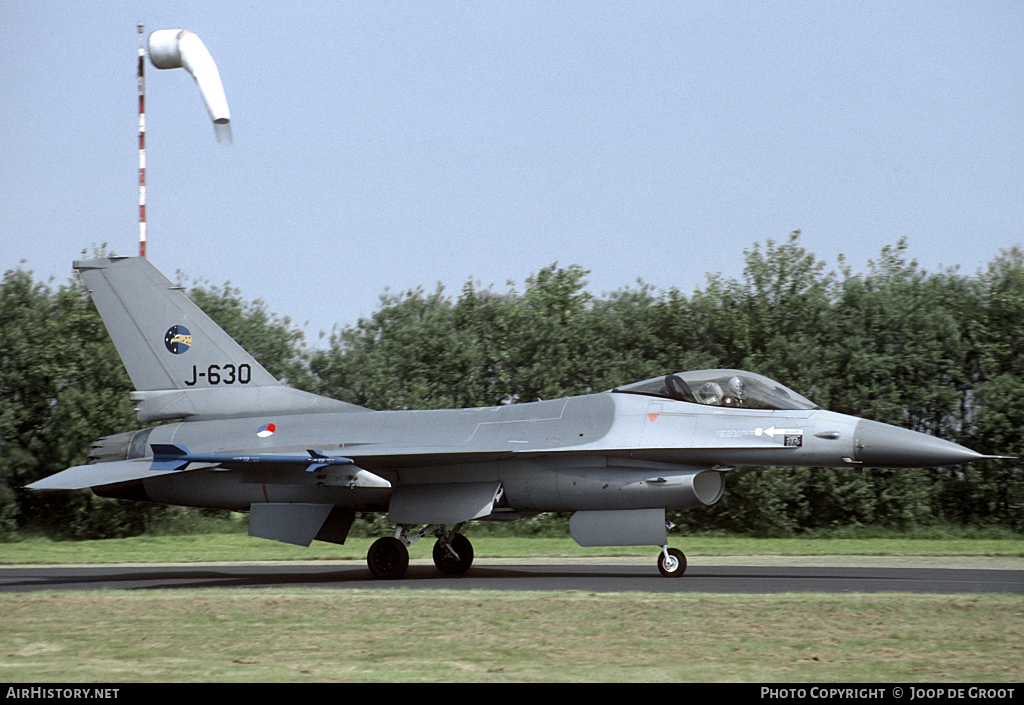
[(728, 388)]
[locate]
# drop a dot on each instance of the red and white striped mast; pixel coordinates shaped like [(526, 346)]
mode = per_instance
[(171, 49), (142, 143)]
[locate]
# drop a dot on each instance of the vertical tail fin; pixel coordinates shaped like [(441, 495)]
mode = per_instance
[(183, 365), (163, 338)]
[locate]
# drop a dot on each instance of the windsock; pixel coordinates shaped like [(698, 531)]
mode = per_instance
[(180, 48)]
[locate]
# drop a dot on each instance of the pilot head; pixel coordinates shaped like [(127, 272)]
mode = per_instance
[(736, 392), (737, 388)]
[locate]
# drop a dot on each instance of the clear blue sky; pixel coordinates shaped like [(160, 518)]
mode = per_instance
[(399, 144)]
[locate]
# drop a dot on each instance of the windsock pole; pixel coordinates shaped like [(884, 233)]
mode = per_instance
[(142, 144)]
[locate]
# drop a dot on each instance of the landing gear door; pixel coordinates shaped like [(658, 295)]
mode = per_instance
[(442, 503)]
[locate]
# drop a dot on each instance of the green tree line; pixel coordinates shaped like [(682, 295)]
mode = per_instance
[(937, 352)]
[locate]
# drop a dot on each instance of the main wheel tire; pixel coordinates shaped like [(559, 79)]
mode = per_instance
[(675, 566), (449, 564), (388, 558)]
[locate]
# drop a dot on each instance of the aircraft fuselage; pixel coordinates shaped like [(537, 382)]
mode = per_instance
[(600, 451)]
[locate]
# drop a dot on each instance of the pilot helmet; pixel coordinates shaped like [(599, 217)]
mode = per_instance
[(737, 387)]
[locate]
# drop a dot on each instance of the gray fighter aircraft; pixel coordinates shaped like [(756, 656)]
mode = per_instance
[(303, 465)]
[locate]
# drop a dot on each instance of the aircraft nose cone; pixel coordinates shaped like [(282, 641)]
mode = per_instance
[(880, 445)]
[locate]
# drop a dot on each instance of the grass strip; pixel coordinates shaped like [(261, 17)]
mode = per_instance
[(290, 635)]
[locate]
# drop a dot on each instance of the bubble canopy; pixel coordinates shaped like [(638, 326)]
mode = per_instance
[(728, 388)]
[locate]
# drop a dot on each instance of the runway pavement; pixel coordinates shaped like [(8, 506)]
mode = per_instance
[(749, 574)]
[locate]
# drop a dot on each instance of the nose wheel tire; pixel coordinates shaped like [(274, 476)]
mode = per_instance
[(450, 564), (672, 563), (388, 558)]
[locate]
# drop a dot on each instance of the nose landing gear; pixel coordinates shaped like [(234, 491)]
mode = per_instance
[(671, 562)]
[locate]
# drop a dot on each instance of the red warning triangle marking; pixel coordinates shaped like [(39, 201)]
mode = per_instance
[(652, 417)]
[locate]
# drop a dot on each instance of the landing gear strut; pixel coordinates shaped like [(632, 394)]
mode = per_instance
[(388, 558)]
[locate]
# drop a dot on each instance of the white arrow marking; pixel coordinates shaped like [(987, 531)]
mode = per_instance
[(779, 431)]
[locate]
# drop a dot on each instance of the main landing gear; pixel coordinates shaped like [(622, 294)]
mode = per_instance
[(388, 558)]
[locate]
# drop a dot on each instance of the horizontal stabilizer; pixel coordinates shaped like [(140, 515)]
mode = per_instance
[(82, 476)]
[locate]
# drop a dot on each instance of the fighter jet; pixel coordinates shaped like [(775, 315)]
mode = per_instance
[(304, 465)]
